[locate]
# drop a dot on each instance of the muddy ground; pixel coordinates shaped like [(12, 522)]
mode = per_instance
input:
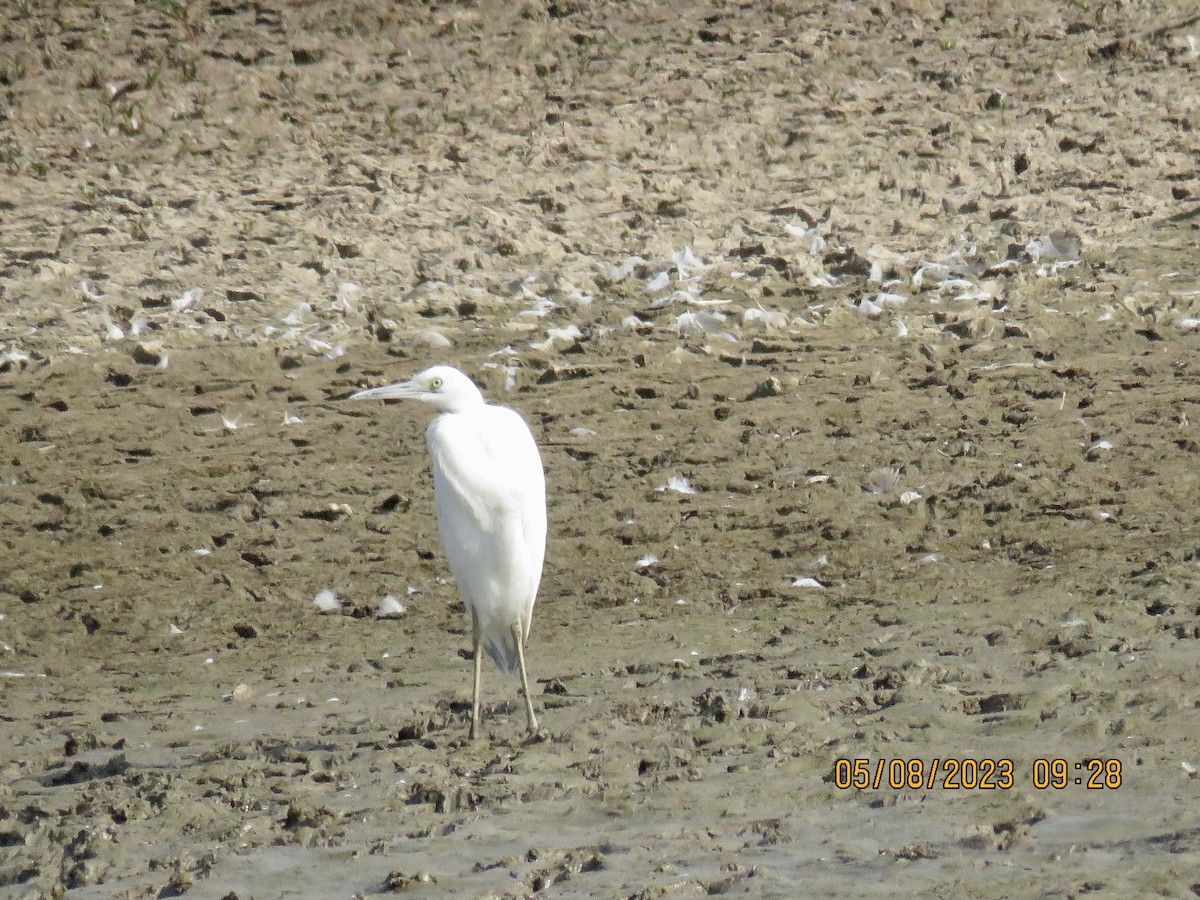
[(861, 343)]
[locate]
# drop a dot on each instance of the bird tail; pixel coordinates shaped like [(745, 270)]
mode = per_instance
[(502, 648)]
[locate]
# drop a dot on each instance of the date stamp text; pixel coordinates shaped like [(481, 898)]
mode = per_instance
[(970, 774)]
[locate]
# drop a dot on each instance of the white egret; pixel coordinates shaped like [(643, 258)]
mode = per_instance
[(490, 493)]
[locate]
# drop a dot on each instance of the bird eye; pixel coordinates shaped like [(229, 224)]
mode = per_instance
[(436, 384)]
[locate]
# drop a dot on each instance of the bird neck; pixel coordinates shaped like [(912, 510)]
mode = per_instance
[(459, 405)]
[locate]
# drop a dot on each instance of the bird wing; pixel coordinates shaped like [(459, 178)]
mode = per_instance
[(490, 462), (490, 491)]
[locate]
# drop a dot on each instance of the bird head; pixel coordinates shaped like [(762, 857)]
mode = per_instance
[(444, 386)]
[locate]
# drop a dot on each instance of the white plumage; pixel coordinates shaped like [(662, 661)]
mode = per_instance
[(490, 493)]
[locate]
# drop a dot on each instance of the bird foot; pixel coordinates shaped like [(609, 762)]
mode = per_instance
[(535, 736)]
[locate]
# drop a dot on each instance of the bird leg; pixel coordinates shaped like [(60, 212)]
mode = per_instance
[(477, 640), (531, 724)]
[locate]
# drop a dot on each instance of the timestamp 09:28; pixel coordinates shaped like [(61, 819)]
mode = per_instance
[(970, 774)]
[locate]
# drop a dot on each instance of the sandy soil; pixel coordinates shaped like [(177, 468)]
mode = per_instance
[(862, 344)]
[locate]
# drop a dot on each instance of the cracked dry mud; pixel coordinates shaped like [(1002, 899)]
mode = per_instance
[(928, 376)]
